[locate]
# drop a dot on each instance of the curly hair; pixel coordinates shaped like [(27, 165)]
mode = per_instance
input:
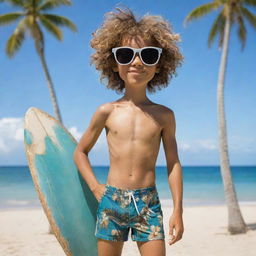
[(153, 28)]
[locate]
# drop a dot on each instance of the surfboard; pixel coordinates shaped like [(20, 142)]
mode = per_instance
[(67, 201)]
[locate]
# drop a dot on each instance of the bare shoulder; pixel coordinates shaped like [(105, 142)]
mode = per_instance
[(105, 109), (167, 112), (168, 120)]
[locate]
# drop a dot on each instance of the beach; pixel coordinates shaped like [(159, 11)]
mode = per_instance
[(25, 232)]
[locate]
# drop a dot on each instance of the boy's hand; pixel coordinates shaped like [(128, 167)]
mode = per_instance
[(176, 223), (99, 191)]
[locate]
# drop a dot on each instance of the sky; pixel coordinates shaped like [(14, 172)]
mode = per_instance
[(191, 94)]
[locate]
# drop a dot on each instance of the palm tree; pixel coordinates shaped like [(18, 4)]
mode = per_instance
[(33, 14), (230, 12)]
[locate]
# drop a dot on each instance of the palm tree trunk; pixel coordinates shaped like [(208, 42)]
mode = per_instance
[(236, 223), (50, 85)]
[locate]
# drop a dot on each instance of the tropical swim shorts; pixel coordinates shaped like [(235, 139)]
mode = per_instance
[(122, 209)]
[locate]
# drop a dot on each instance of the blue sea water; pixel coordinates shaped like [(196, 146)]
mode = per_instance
[(202, 185)]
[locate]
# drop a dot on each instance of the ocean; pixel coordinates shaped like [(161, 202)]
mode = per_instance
[(202, 185)]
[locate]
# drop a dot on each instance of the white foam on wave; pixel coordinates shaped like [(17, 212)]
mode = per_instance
[(197, 202), (18, 202)]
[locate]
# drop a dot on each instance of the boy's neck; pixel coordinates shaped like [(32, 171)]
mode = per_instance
[(136, 96)]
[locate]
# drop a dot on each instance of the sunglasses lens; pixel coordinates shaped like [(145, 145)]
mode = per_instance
[(149, 56), (124, 55)]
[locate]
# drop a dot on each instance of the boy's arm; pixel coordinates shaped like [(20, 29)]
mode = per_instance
[(86, 143), (173, 164), (174, 177)]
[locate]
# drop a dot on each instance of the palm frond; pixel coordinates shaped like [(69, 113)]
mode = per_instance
[(50, 4), (16, 39), (19, 3), (249, 16), (251, 3), (241, 31), (60, 21), (50, 27), (201, 11), (218, 27), (8, 18)]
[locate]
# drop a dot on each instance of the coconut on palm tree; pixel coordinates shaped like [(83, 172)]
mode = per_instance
[(230, 12), (31, 18)]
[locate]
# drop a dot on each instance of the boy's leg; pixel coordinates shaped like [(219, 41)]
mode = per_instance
[(109, 248), (152, 248), (147, 223)]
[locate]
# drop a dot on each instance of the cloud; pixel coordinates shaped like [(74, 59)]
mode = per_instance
[(208, 144), (11, 133), (198, 145), (247, 144), (235, 143), (76, 134), (184, 146)]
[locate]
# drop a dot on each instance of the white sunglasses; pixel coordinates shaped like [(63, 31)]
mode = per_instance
[(149, 55)]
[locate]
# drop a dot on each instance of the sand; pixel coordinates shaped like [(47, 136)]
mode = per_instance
[(25, 232)]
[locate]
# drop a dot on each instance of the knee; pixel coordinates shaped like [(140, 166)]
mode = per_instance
[(152, 248), (109, 248)]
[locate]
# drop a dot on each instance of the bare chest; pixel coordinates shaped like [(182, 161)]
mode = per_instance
[(132, 123)]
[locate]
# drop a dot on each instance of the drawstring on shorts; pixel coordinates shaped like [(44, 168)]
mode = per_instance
[(131, 196)]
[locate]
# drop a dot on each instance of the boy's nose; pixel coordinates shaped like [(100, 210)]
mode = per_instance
[(137, 59)]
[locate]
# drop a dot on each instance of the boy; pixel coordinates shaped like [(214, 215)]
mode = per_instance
[(133, 56)]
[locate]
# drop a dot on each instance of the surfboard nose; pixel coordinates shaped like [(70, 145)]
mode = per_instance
[(30, 110)]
